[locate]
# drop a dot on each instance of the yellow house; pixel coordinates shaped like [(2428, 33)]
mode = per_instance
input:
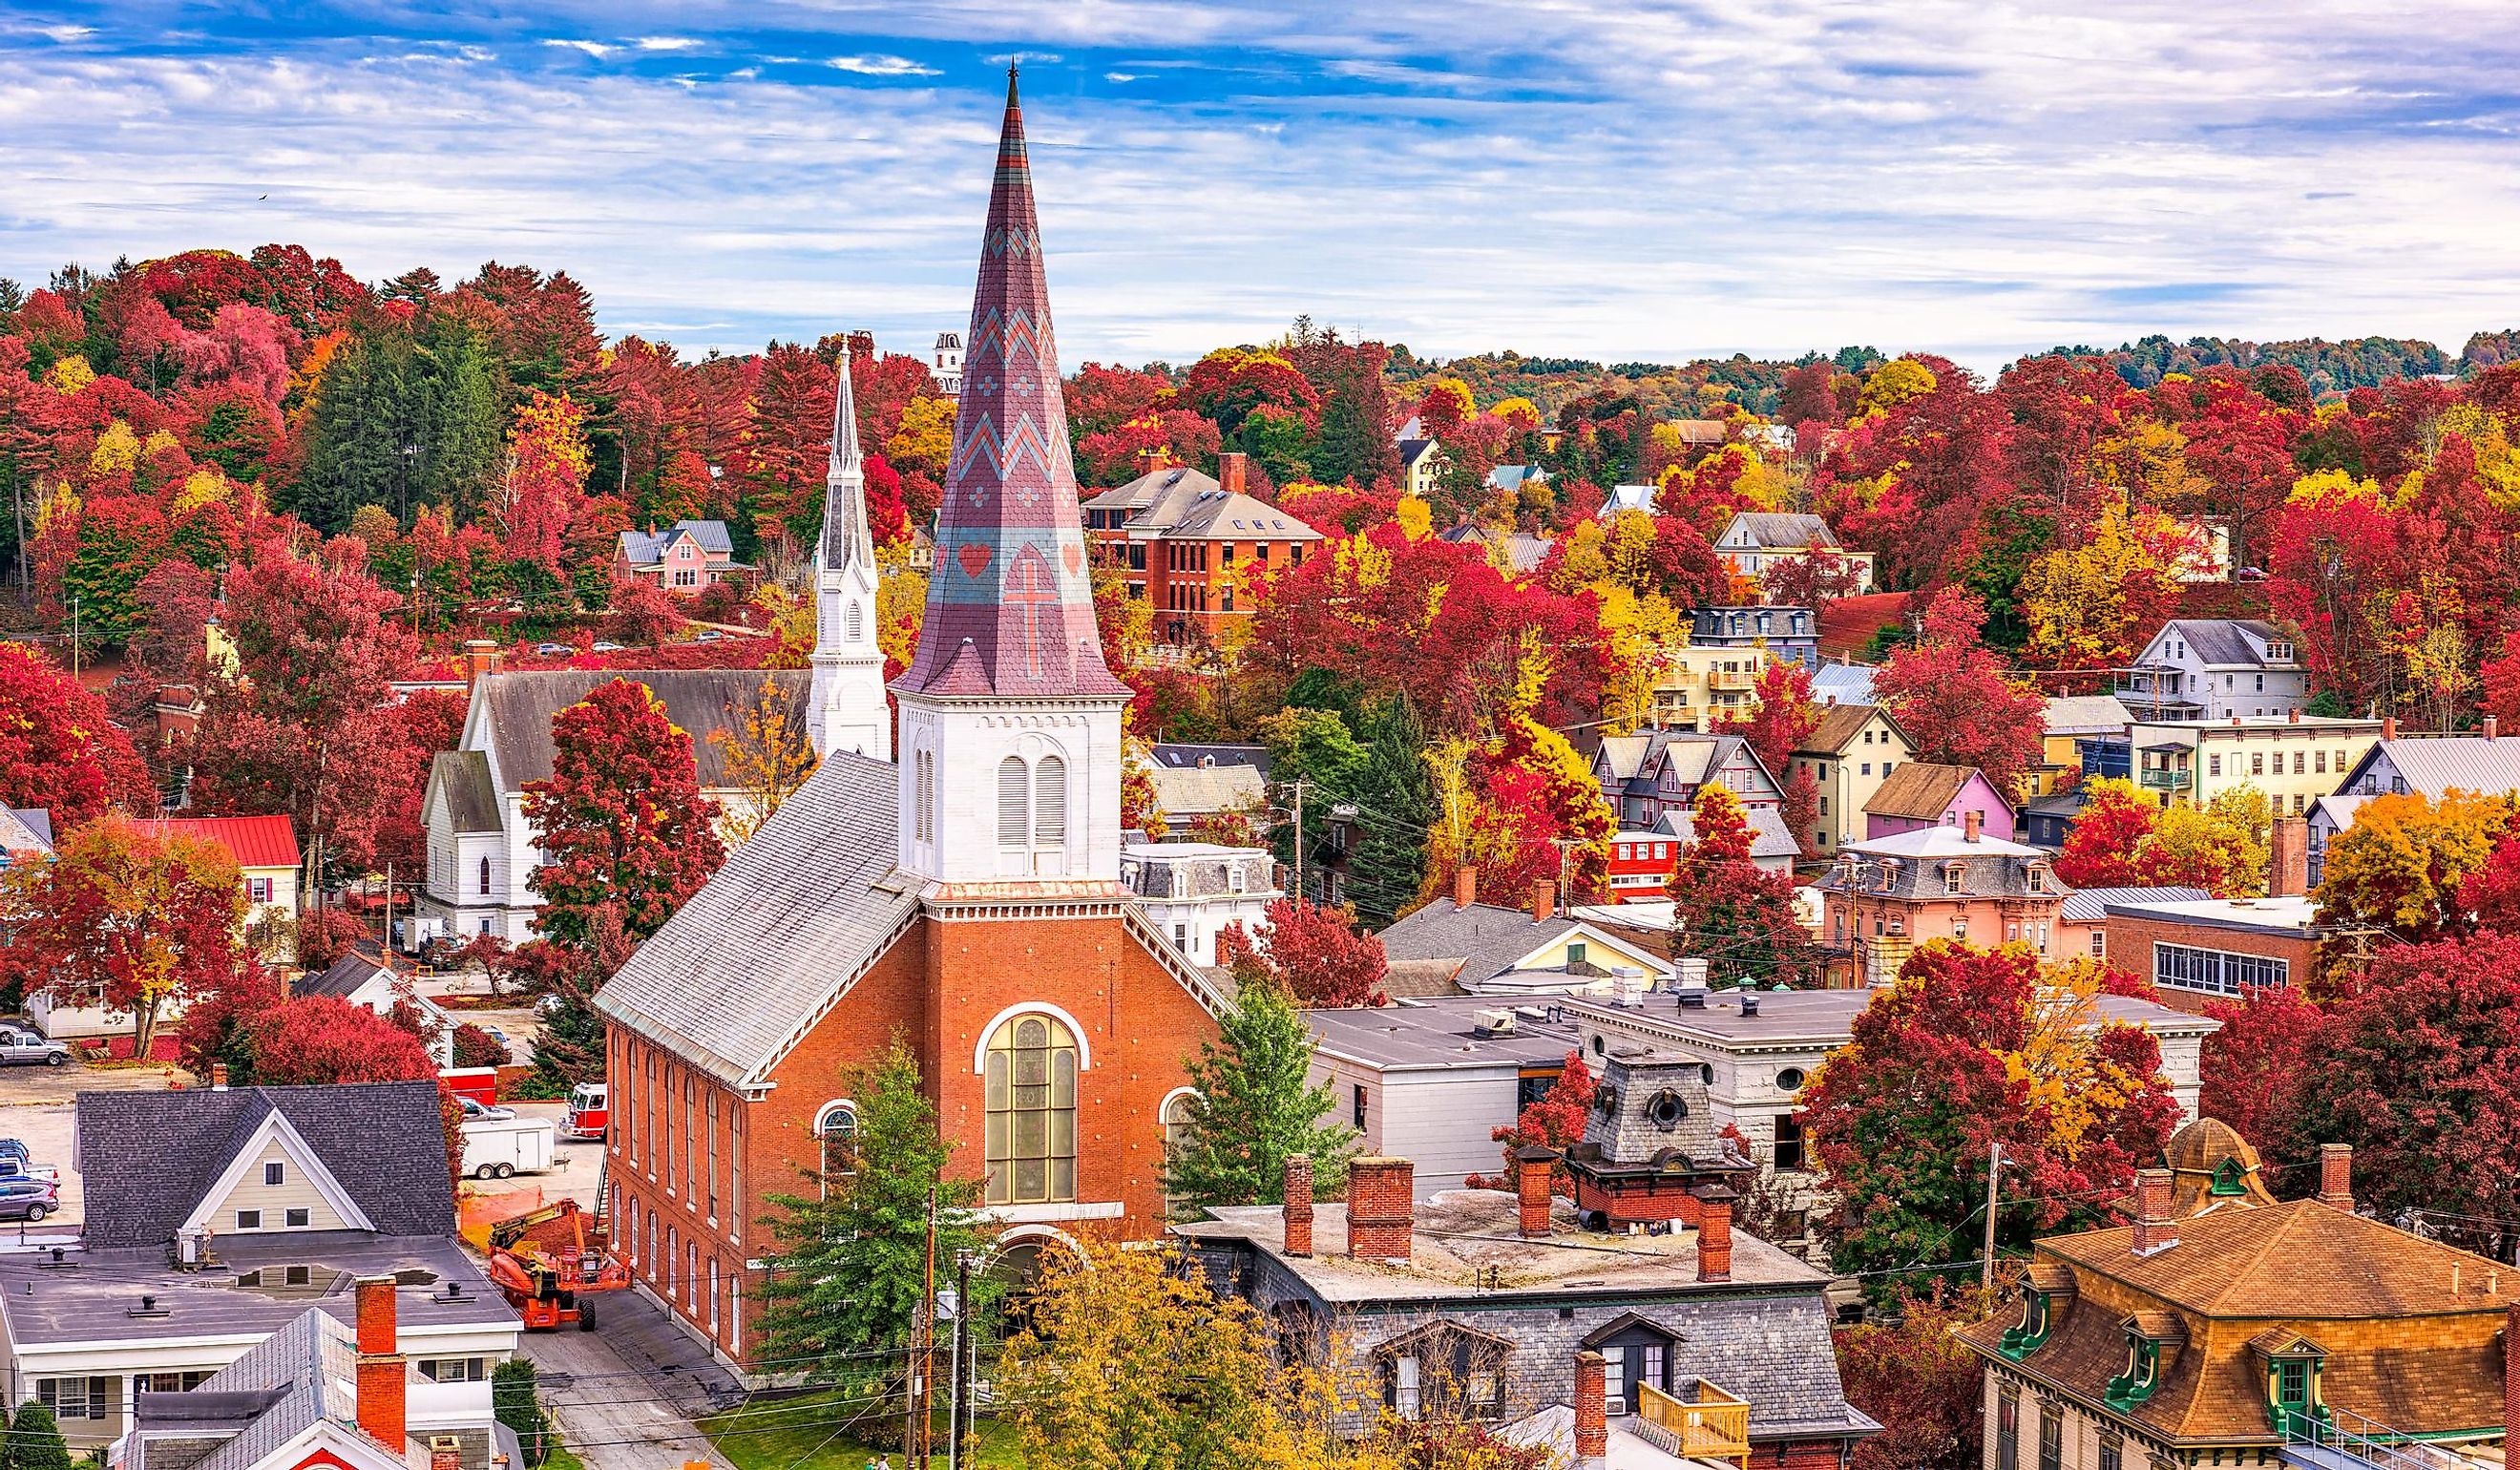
[(1853, 748), (1698, 684), (2071, 720), (2294, 760)]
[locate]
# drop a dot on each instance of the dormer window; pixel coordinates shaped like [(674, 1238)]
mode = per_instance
[(2296, 1368), (2153, 1340), (2038, 878), (1955, 879), (2230, 1180), (2279, 652), (2047, 1290)]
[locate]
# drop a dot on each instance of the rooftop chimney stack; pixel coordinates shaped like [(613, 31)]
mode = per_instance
[(1974, 824), (381, 1367), (445, 1453), (1714, 1231), (218, 1077), (1381, 1208), (2336, 1175), (2492, 727), (1233, 471), (2389, 727), (1533, 1167), (1544, 900), (1299, 1205), (480, 656), (2154, 1230), (1465, 886), (2288, 858), (1591, 1410)]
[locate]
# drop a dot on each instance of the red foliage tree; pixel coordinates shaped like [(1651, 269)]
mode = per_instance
[(620, 820), (1555, 1121), (2100, 851), (322, 1039), (58, 749), (1908, 1370), (1950, 695), (1313, 949), (644, 614), (2253, 1064), (1728, 911), (1783, 717)]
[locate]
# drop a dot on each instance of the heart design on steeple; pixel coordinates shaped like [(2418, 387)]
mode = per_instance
[(974, 559), (1074, 557)]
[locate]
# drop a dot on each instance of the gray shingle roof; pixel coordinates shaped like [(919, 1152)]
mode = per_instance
[(343, 977), (1628, 1132), (291, 1374), (796, 913), (148, 1158), (2088, 714), (463, 778), (2220, 641), (1769, 837), (2088, 906), (642, 549), (38, 821), (522, 705), (1776, 530)]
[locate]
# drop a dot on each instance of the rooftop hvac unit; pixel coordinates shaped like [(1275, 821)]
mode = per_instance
[(1487, 1023)]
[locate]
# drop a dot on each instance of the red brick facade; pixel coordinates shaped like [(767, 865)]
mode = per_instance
[(2131, 940), (694, 1161)]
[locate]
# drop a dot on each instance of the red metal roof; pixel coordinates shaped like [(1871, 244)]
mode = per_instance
[(254, 841)]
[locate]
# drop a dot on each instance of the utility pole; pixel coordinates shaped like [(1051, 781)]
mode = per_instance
[(957, 1409), (923, 1383), (1994, 1169), (75, 634), (1300, 783)]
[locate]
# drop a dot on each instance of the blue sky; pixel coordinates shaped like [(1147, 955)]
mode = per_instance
[(1581, 178)]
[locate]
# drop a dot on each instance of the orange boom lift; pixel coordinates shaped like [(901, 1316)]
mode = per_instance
[(548, 1261)]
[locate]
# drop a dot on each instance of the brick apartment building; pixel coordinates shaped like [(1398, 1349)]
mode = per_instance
[(964, 895), (1190, 543), (2196, 949)]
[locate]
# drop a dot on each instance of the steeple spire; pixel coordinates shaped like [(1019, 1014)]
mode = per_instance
[(847, 711), (1011, 602)]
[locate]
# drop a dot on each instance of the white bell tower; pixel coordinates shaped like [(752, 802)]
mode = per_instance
[(848, 710)]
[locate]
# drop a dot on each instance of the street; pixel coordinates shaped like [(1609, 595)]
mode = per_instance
[(626, 1393)]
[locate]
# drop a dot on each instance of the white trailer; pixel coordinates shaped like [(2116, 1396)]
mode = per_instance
[(496, 1147)]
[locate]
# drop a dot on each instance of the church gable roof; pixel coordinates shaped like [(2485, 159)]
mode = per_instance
[(519, 709)]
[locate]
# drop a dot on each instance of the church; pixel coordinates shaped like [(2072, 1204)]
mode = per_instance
[(959, 884)]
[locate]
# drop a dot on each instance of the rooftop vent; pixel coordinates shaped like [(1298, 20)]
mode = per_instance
[(149, 1307)]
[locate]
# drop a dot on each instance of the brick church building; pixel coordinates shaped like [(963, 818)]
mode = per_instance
[(962, 890)]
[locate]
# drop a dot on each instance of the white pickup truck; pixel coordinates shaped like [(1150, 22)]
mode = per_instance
[(17, 1045)]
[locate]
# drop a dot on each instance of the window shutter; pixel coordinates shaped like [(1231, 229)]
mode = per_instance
[(1015, 814), (1050, 800)]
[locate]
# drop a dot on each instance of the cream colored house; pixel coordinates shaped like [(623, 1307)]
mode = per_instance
[(2295, 760), (1853, 748), (1699, 685)]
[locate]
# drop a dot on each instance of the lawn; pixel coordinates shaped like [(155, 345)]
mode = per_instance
[(806, 1433)]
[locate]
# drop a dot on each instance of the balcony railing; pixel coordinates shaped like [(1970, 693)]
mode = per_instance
[(2178, 779), (1731, 679), (1714, 1426)]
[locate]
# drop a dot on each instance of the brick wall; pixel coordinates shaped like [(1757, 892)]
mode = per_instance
[(2131, 942)]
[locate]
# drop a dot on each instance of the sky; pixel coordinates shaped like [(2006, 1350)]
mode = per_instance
[(1576, 178)]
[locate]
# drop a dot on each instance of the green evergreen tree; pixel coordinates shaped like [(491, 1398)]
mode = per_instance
[(1355, 442), (849, 1267), (1253, 1108), (355, 436), (35, 1440), (1394, 795), (516, 1400), (462, 441)]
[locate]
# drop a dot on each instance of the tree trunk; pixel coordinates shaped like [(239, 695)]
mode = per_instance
[(144, 1028)]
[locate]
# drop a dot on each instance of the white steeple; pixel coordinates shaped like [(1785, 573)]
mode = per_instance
[(848, 710)]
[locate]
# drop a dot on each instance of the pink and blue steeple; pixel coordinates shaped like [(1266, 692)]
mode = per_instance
[(1011, 602)]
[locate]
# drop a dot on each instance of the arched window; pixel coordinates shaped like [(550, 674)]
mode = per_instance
[(1031, 1074), (1176, 1122), (1015, 803), (485, 877), (836, 1126), (1048, 801), (923, 799)]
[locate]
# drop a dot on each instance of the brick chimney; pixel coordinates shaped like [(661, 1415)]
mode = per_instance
[(1299, 1205), (480, 656), (1544, 900), (1532, 1168), (2336, 1175), (381, 1364), (1714, 1231), (1465, 886), (2389, 727), (2154, 1230), (1593, 1410), (445, 1453), (2492, 727), (1233, 471), (2288, 858), (218, 1077), (1973, 825), (1381, 1208)]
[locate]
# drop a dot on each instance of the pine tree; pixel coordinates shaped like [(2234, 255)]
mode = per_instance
[(463, 440), (355, 435), (1253, 1109), (1395, 801), (35, 1440), (848, 1273), (516, 1400)]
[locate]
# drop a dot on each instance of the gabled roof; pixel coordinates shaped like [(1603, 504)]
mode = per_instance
[(1769, 837), (1699, 431), (462, 780), (1839, 724), (36, 819), (343, 978), (2230, 642), (18, 835), (645, 549), (1414, 450), (1776, 530), (2437, 766), (148, 1159), (798, 912), (1846, 683), (284, 1386), (1515, 477), (1485, 941), (1629, 498), (2088, 714), (518, 707), (1187, 754), (254, 841), (1192, 790), (1924, 791)]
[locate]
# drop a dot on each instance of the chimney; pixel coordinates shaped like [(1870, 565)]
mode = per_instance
[(218, 1077), (2389, 727), (1531, 1178), (1974, 824), (1465, 887), (2296, 714), (1233, 471), (2288, 858), (2154, 1230), (1381, 1208), (2492, 727), (445, 1453), (1593, 1409), (480, 656), (1714, 1231), (1544, 900), (381, 1367), (2336, 1175), (1299, 1205)]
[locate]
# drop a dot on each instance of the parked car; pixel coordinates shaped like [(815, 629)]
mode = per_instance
[(475, 1109), (707, 636), (606, 646), (28, 1199), (20, 1045), (553, 650)]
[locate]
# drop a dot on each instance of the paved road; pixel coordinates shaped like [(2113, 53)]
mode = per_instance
[(626, 1392)]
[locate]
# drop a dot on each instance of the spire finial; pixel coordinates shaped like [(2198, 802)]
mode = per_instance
[(1011, 84)]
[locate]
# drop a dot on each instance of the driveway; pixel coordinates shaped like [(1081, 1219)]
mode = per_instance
[(626, 1393)]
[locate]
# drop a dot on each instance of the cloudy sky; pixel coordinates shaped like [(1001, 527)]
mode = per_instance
[(1566, 177)]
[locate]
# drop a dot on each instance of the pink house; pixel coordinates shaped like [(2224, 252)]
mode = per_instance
[(1921, 794), (686, 556)]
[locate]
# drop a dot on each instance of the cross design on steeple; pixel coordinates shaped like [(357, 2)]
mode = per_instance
[(1031, 587)]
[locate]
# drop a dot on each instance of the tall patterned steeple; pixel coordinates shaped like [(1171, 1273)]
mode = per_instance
[(1010, 759), (847, 705), (1011, 602)]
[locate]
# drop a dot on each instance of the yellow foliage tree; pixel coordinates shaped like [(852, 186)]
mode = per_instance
[(1415, 518), (2147, 462), (768, 755), (204, 486), (923, 440), (794, 625), (1520, 415), (72, 375), (117, 451), (2400, 864), (2071, 1084), (900, 604), (2088, 606), (1901, 380), (1453, 394)]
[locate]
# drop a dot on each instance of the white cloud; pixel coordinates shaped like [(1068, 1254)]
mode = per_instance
[(1120, 77), (668, 43), (595, 49), (882, 66)]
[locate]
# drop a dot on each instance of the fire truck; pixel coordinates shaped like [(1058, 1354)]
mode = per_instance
[(588, 1114)]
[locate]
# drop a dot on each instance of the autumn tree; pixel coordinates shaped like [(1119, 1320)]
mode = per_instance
[(767, 754), (2100, 851), (844, 1283), (547, 458), (133, 919), (1555, 1119), (2400, 865), (644, 614), (2253, 1064), (2093, 604), (59, 750), (621, 821), (1782, 718), (322, 1039), (1727, 911), (1255, 1106), (1954, 700), (1907, 1368), (1312, 952), (1970, 1048)]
